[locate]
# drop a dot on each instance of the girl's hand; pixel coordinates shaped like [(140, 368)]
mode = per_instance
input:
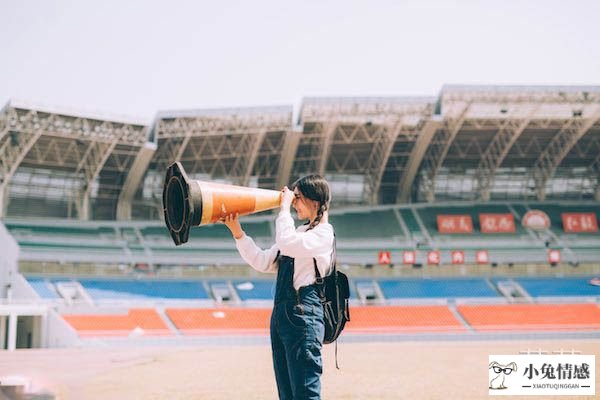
[(233, 223), (287, 197)]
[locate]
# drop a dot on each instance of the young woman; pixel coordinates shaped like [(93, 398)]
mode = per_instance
[(297, 327)]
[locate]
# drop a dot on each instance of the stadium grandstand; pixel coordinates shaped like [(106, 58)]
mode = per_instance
[(471, 213)]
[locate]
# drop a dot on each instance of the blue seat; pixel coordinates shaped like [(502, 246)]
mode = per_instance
[(143, 289), (255, 290), (436, 288), (580, 286)]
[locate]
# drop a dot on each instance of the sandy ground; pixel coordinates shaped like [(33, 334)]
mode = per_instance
[(397, 370)]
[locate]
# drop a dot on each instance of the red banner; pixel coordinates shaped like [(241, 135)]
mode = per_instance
[(409, 257), (458, 257), (385, 258), (482, 257), (497, 223), (554, 256), (455, 224), (433, 257), (579, 222)]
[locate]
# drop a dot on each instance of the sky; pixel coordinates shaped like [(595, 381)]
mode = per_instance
[(134, 58)]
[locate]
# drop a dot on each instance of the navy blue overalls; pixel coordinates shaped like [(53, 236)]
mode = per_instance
[(297, 331)]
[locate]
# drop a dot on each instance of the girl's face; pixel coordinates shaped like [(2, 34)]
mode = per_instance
[(305, 208)]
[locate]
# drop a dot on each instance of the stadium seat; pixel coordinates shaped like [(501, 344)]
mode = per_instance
[(532, 317), (122, 289), (216, 321), (371, 224), (255, 289), (137, 322), (564, 286), (436, 288)]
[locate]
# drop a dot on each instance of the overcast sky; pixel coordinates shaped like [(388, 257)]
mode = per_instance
[(134, 58)]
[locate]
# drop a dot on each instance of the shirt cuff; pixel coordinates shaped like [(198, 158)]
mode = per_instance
[(241, 240)]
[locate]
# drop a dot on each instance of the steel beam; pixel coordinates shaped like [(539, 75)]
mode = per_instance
[(91, 164), (377, 161), (252, 155), (434, 157), (14, 149), (431, 126), (496, 152), (326, 139), (290, 146), (558, 148)]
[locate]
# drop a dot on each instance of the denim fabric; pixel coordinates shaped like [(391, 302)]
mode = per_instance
[(297, 332)]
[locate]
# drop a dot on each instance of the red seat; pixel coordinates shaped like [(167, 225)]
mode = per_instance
[(532, 316), (147, 320)]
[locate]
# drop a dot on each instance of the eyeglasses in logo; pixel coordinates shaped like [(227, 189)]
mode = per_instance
[(501, 372)]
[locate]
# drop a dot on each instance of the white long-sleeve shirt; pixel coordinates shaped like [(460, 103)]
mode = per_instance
[(298, 243)]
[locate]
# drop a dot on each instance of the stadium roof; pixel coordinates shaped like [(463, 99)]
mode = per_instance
[(468, 143)]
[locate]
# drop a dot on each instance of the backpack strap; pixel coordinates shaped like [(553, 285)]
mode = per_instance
[(320, 282), (277, 256)]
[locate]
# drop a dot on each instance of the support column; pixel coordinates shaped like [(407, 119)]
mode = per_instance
[(4, 199), (2, 332), (12, 332), (134, 179)]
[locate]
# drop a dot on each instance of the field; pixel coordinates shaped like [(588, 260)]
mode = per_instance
[(377, 370)]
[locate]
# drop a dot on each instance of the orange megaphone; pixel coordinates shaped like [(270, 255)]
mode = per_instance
[(188, 202)]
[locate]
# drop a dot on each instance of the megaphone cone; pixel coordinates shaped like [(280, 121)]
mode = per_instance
[(188, 202)]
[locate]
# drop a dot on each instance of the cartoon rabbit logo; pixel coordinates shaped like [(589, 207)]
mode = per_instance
[(501, 371)]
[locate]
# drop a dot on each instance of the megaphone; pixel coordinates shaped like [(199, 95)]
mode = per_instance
[(188, 202)]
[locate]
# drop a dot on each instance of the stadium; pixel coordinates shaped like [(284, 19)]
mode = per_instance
[(470, 216)]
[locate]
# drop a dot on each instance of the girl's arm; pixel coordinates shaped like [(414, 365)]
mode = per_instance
[(259, 259)]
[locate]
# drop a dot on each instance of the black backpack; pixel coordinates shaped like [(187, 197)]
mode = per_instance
[(334, 292)]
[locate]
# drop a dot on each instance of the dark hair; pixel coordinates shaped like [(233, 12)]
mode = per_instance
[(315, 187)]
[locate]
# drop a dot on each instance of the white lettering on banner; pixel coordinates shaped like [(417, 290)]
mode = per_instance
[(542, 375), (448, 224), (482, 256), (554, 256), (463, 224), (579, 222), (458, 257), (384, 257), (497, 223), (433, 257), (455, 224), (505, 224)]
